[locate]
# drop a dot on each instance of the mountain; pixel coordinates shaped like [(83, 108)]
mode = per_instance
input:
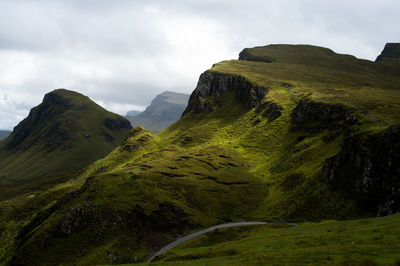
[(132, 113), (4, 134), (63, 134), (286, 133), (165, 109), (391, 51)]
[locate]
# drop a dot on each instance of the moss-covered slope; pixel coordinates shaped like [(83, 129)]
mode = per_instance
[(63, 134), (252, 145)]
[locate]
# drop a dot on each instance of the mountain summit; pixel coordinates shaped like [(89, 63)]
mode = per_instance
[(391, 51), (63, 134), (165, 109)]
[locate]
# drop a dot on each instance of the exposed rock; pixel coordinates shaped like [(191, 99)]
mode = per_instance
[(367, 169), (270, 110), (213, 85), (391, 51), (245, 54), (76, 218), (308, 111)]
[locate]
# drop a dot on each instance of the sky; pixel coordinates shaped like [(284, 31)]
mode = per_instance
[(122, 53)]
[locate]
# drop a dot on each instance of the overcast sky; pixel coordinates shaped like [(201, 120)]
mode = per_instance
[(123, 53)]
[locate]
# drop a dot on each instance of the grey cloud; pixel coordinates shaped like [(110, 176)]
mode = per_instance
[(124, 52)]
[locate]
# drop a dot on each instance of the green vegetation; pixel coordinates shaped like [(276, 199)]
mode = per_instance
[(230, 163), (371, 241), (58, 138)]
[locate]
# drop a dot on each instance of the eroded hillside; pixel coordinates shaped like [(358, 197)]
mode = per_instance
[(261, 139)]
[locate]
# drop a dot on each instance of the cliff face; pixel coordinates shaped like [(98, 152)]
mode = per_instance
[(308, 111), (391, 51), (367, 169), (213, 85)]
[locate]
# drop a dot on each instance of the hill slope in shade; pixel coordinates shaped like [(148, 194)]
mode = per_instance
[(65, 133), (164, 110), (260, 140), (4, 134)]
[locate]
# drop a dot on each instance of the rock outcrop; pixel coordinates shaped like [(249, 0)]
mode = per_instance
[(246, 54), (270, 110), (213, 85), (308, 111), (391, 51), (367, 169)]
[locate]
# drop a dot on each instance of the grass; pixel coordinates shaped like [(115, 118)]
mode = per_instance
[(33, 163), (355, 242), (206, 169)]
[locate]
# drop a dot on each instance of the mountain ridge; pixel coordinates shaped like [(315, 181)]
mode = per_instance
[(258, 141), (165, 109)]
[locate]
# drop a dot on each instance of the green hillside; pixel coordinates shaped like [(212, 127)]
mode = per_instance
[(357, 242), (286, 133), (65, 133)]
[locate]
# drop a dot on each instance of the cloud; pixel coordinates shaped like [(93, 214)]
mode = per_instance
[(122, 53)]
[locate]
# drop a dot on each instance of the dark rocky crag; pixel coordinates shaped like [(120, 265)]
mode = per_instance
[(367, 169), (391, 51), (308, 111), (213, 85)]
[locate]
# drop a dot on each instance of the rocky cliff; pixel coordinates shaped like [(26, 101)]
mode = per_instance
[(367, 169), (213, 85), (391, 51)]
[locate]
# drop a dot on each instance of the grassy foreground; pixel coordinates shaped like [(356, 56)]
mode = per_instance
[(373, 241)]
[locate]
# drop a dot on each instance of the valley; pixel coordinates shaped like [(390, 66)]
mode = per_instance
[(287, 133)]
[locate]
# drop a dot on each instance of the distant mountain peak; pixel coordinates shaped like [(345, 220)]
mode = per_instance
[(391, 51), (165, 109)]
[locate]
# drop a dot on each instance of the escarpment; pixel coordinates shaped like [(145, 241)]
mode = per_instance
[(367, 169), (213, 85), (308, 111)]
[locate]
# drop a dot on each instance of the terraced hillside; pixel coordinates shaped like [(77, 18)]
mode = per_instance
[(65, 133), (287, 132)]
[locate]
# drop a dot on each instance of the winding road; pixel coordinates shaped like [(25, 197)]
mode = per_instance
[(205, 231)]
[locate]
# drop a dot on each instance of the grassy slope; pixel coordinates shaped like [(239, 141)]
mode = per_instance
[(357, 242), (29, 169), (223, 166)]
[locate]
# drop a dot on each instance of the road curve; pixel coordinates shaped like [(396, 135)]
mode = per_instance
[(205, 231)]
